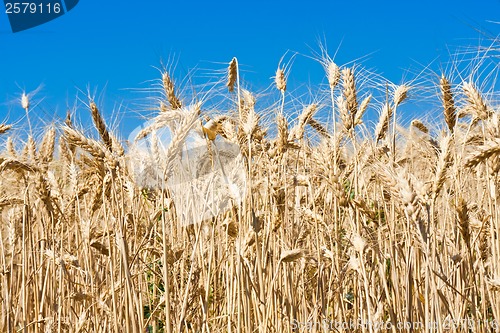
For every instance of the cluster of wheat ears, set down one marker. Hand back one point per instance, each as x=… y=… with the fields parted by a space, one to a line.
x=399 y=225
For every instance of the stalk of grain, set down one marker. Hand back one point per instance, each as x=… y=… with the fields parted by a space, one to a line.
x=280 y=80
x=400 y=95
x=249 y=120
x=463 y=220
x=169 y=88
x=333 y=77
x=297 y=131
x=420 y=126
x=332 y=74
x=489 y=149
x=282 y=139
x=25 y=104
x=162 y=120
x=64 y=151
x=291 y=255
x=91 y=146
x=100 y=126
x=10 y=147
x=349 y=91
x=178 y=138
x=346 y=117
x=117 y=146
x=16 y=165
x=211 y=129
x=47 y=146
x=31 y=149
x=362 y=109
x=443 y=164
x=449 y=110
x=68 y=120
x=318 y=127
x=383 y=123
x=4 y=128
x=232 y=74
x=475 y=101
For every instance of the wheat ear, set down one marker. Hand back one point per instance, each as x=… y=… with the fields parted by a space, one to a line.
x=4 y=128
x=101 y=126
x=475 y=101
x=383 y=123
x=47 y=146
x=489 y=149
x=91 y=146
x=169 y=87
x=280 y=80
x=420 y=126
x=232 y=74
x=442 y=165
x=450 y=115
x=297 y=131
x=10 y=147
x=349 y=86
x=178 y=139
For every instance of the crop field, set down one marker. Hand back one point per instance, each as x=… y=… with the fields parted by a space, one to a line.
x=319 y=219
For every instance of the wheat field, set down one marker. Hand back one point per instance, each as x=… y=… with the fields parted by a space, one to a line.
x=342 y=226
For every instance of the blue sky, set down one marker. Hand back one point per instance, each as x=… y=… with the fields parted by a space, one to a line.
x=113 y=46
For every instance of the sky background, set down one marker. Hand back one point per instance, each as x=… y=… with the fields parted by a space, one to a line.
x=113 y=47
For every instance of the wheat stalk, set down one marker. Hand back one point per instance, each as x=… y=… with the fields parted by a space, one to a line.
x=4 y=128
x=420 y=126
x=91 y=146
x=332 y=74
x=400 y=94
x=449 y=110
x=232 y=74
x=318 y=127
x=297 y=131
x=463 y=220
x=349 y=86
x=169 y=88
x=443 y=164
x=362 y=109
x=178 y=138
x=489 y=149
x=475 y=100
x=100 y=125
x=291 y=255
x=10 y=147
x=280 y=80
x=162 y=120
x=383 y=123
x=47 y=146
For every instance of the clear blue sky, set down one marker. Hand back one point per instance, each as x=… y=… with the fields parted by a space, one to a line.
x=113 y=45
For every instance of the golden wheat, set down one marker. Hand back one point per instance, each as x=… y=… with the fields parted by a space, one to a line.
x=332 y=226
